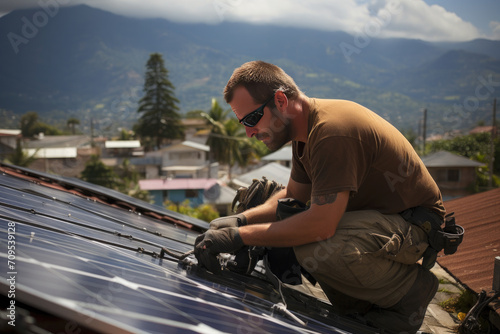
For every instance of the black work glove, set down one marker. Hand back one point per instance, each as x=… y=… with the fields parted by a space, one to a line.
x=213 y=242
x=229 y=221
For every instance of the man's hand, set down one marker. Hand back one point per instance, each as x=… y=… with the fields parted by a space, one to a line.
x=229 y=221
x=209 y=244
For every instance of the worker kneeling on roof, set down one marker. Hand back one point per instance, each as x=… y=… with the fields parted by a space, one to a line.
x=374 y=208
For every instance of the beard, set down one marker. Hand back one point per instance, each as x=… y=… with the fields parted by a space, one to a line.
x=278 y=134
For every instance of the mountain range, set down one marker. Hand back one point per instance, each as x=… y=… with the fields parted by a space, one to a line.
x=87 y=63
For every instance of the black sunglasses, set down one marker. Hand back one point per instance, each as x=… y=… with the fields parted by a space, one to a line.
x=254 y=117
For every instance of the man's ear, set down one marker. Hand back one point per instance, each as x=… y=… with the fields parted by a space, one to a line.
x=281 y=101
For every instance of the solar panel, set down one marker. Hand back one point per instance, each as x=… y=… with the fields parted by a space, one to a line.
x=90 y=265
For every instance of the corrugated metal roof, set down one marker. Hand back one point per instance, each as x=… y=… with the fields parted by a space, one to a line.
x=220 y=194
x=59 y=141
x=187 y=144
x=447 y=159
x=272 y=171
x=283 y=154
x=172 y=184
x=122 y=144
x=473 y=263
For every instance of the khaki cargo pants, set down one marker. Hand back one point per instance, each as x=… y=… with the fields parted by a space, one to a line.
x=371 y=259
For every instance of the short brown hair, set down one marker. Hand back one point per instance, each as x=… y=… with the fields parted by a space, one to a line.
x=261 y=79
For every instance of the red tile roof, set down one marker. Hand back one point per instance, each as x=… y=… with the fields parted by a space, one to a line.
x=473 y=263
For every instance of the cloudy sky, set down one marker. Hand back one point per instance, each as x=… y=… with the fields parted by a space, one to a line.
x=430 y=20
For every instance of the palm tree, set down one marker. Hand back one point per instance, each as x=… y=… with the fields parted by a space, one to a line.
x=217 y=113
x=72 y=123
x=227 y=139
x=19 y=157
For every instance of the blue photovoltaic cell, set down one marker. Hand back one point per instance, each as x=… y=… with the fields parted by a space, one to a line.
x=69 y=261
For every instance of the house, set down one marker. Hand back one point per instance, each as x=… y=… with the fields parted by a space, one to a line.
x=123 y=148
x=454 y=174
x=8 y=141
x=179 y=172
x=148 y=166
x=482 y=129
x=179 y=190
x=61 y=155
x=196 y=129
x=187 y=160
x=114 y=152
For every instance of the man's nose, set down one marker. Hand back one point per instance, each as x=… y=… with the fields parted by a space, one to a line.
x=250 y=131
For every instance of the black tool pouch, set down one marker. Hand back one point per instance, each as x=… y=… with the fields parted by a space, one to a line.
x=282 y=261
x=450 y=237
x=447 y=238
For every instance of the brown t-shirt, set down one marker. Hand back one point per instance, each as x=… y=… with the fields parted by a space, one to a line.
x=351 y=148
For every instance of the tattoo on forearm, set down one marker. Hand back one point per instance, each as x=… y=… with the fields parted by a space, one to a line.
x=324 y=199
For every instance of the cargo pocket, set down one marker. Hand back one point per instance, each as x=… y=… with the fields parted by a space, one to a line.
x=406 y=249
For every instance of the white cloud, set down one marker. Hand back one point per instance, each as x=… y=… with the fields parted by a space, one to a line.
x=418 y=20
x=377 y=18
x=495 y=29
x=317 y=14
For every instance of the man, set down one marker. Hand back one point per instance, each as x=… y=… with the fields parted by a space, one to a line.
x=359 y=174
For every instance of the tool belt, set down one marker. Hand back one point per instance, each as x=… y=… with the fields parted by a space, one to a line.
x=446 y=238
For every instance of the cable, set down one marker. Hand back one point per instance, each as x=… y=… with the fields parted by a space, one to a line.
x=281 y=307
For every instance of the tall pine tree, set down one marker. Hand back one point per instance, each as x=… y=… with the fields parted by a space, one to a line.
x=160 y=120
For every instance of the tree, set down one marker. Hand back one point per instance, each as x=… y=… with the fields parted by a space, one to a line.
x=217 y=113
x=30 y=126
x=128 y=181
x=160 y=120
x=126 y=135
x=411 y=136
x=72 y=123
x=227 y=139
x=97 y=172
x=19 y=157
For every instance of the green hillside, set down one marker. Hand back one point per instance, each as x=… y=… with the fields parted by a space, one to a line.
x=89 y=64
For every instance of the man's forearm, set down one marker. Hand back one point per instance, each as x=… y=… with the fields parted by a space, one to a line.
x=265 y=212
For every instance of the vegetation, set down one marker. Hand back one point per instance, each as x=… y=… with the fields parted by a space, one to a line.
x=19 y=157
x=126 y=135
x=160 y=119
x=31 y=126
x=228 y=141
x=123 y=178
x=97 y=172
x=204 y=212
x=72 y=123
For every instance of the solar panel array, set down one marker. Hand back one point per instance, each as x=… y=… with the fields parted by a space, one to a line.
x=96 y=267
